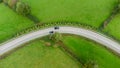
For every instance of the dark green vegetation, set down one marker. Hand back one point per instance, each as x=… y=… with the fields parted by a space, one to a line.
x=37 y=55
x=86 y=51
x=91 y=12
x=10 y=23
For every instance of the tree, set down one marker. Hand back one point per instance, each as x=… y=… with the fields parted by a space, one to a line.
x=12 y=3
x=23 y=8
x=56 y=37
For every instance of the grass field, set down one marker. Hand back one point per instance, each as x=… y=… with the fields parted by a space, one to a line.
x=113 y=27
x=91 y=12
x=86 y=51
x=10 y=23
x=37 y=55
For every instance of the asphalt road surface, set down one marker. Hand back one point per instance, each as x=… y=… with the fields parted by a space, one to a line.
x=97 y=37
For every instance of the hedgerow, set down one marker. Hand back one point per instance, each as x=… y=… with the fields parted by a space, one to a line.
x=52 y=24
x=62 y=23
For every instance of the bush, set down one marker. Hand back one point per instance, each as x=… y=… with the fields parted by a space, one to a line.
x=12 y=3
x=22 y=8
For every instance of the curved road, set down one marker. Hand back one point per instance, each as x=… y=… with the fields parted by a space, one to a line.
x=111 y=44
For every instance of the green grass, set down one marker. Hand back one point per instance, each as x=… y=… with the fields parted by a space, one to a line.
x=37 y=55
x=113 y=27
x=91 y=12
x=11 y=22
x=86 y=51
